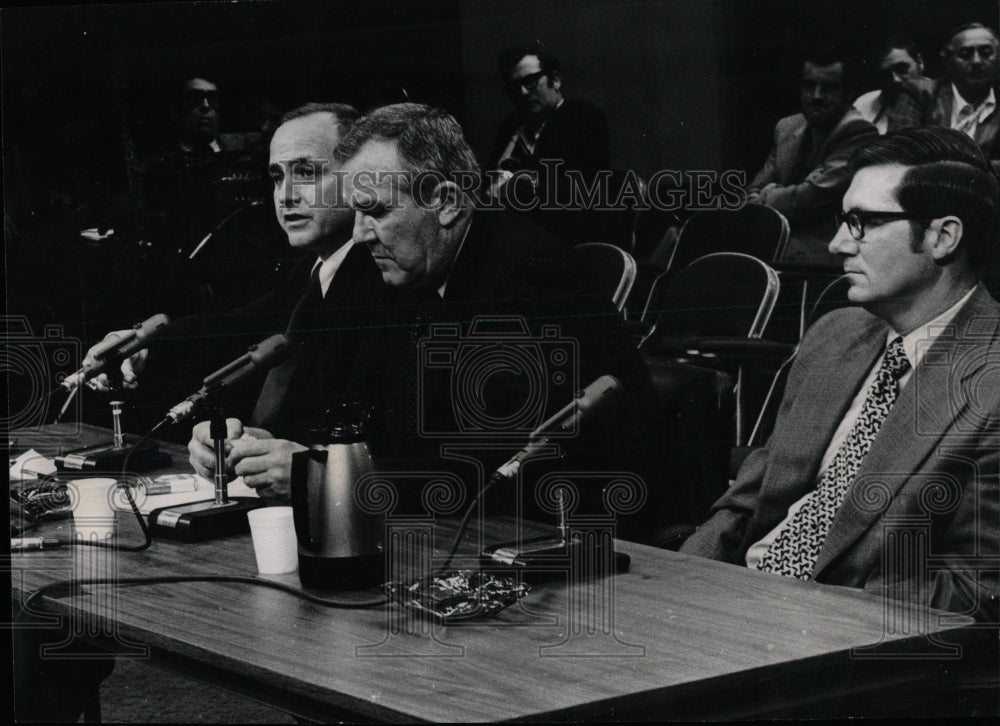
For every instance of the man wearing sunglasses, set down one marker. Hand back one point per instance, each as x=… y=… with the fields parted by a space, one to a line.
x=965 y=98
x=548 y=136
x=882 y=469
x=189 y=190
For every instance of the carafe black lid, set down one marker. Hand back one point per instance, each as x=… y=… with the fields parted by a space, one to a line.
x=346 y=423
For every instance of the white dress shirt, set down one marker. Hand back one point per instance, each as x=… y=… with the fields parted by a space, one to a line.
x=966 y=117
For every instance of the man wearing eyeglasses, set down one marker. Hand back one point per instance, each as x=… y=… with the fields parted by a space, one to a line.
x=547 y=137
x=966 y=99
x=882 y=470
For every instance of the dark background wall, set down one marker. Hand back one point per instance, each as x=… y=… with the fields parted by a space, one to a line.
x=686 y=84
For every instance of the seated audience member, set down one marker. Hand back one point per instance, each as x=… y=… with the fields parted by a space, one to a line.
x=965 y=97
x=891 y=415
x=547 y=137
x=327 y=303
x=806 y=174
x=204 y=182
x=900 y=69
x=432 y=373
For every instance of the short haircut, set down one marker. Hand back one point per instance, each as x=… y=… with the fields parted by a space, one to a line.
x=897 y=42
x=512 y=56
x=950 y=35
x=827 y=55
x=428 y=140
x=346 y=115
x=947 y=175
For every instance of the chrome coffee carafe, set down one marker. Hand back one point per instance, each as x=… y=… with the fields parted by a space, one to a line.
x=340 y=545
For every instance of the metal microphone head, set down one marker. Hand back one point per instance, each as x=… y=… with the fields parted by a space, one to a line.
x=599 y=395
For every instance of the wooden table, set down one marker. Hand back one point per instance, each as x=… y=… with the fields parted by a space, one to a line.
x=675 y=638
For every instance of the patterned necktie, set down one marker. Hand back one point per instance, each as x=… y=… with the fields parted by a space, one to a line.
x=794 y=552
x=272 y=396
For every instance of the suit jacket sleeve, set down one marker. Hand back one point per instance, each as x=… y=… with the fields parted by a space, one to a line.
x=768 y=173
x=722 y=535
x=821 y=190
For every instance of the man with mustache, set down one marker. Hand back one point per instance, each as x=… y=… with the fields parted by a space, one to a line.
x=806 y=173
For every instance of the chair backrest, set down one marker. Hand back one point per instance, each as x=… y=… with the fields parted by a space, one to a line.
x=754 y=229
x=610 y=267
x=725 y=294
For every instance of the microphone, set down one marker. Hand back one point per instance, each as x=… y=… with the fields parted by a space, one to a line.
x=261 y=357
x=220 y=225
x=593 y=400
x=109 y=352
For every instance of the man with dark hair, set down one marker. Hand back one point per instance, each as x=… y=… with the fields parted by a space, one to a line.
x=965 y=98
x=806 y=172
x=891 y=415
x=550 y=145
x=521 y=331
x=901 y=73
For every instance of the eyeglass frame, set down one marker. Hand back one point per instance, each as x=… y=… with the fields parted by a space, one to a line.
x=969 y=52
x=528 y=82
x=865 y=215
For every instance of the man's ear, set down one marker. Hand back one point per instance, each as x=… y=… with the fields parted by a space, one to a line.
x=449 y=203
x=944 y=235
x=555 y=80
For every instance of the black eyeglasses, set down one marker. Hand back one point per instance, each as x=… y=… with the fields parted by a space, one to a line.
x=529 y=83
x=194 y=99
x=856 y=219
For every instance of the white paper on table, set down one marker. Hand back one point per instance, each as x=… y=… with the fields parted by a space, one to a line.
x=29 y=465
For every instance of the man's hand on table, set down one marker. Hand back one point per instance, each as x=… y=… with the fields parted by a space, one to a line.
x=264 y=462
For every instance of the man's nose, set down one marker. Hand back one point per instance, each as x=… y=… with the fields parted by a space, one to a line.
x=843 y=243
x=364 y=232
x=288 y=193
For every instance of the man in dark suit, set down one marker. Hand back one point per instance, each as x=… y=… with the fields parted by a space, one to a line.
x=965 y=98
x=890 y=420
x=490 y=329
x=549 y=147
x=806 y=172
x=327 y=305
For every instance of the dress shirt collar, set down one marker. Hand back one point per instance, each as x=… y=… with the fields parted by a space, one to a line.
x=328 y=267
x=214 y=146
x=984 y=109
x=444 y=285
x=918 y=340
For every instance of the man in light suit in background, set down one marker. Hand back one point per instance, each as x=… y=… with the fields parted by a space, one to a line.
x=891 y=412
x=806 y=173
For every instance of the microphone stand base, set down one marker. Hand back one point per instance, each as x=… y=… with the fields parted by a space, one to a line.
x=106 y=457
x=545 y=558
x=202 y=521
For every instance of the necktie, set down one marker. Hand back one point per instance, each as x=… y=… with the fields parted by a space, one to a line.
x=519 y=154
x=794 y=552
x=272 y=396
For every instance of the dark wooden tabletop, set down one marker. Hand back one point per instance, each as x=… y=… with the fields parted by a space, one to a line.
x=676 y=637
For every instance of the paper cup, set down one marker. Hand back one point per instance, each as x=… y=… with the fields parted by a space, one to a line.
x=93 y=508
x=274 y=542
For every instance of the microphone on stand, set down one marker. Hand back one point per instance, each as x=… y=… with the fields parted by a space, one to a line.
x=261 y=357
x=591 y=401
x=221 y=516
x=109 y=352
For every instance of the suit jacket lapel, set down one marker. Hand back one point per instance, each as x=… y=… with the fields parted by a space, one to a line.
x=820 y=404
x=928 y=405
